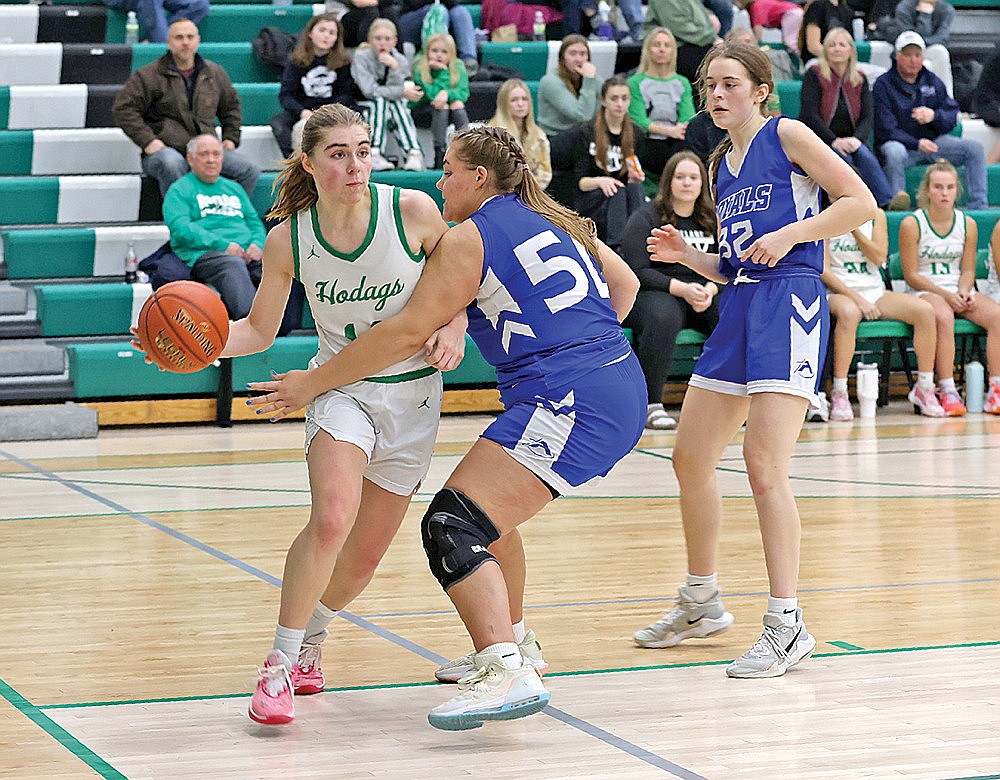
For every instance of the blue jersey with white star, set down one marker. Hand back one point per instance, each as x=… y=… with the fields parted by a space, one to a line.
x=767 y=193
x=543 y=314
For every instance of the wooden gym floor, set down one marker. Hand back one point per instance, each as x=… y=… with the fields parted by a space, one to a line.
x=139 y=587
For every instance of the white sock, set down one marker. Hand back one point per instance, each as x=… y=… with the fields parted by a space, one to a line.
x=947 y=385
x=702 y=588
x=289 y=641
x=783 y=608
x=925 y=380
x=994 y=380
x=840 y=384
x=519 y=631
x=322 y=616
x=509 y=652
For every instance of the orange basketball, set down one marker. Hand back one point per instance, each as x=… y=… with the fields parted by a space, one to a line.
x=183 y=327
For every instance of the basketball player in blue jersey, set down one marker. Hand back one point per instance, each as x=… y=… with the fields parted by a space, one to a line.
x=358 y=249
x=762 y=364
x=545 y=299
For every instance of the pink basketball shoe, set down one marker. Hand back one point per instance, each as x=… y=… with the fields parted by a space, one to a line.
x=272 y=703
x=307 y=675
x=952 y=404
x=992 y=405
x=925 y=402
x=840 y=407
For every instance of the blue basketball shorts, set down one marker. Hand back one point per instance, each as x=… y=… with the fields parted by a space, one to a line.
x=771 y=338
x=572 y=436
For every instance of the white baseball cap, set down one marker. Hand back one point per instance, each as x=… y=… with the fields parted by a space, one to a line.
x=910 y=38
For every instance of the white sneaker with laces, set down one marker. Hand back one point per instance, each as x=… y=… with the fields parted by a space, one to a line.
x=819 y=409
x=414 y=160
x=687 y=620
x=531 y=651
x=379 y=163
x=779 y=648
x=491 y=692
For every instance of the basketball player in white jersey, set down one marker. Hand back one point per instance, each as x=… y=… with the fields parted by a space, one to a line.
x=937 y=248
x=853 y=276
x=359 y=249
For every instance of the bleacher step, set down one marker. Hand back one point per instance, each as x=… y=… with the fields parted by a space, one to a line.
x=35 y=423
x=13 y=300
x=31 y=359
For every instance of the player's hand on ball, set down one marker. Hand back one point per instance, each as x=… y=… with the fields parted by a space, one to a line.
x=285 y=394
x=137 y=346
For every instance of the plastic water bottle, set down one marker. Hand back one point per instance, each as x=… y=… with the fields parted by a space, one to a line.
x=131 y=265
x=858 y=29
x=131 y=29
x=604 y=29
x=975 y=386
x=538 y=28
x=867 y=388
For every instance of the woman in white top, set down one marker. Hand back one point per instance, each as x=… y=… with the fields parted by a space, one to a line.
x=937 y=247
x=853 y=276
x=993 y=279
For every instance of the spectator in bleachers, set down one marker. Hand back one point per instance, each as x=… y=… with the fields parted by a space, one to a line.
x=515 y=114
x=165 y=104
x=155 y=16
x=441 y=77
x=662 y=102
x=459 y=25
x=986 y=100
x=356 y=17
x=914 y=116
x=570 y=95
x=937 y=248
x=607 y=170
x=852 y=274
x=380 y=73
x=214 y=227
x=820 y=17
x=318 y=71
x=932 y=20
x=776 y=15
x=992 y=286
x=694 y=29
x=671 y=296
x=781 y=63
x=837 y=106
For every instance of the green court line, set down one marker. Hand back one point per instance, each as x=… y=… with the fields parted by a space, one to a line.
x=845 y=646
x=578 y=673
x=978 y=777
x=59 y=734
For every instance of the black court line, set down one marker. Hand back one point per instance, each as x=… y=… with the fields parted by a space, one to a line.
x=623 y=745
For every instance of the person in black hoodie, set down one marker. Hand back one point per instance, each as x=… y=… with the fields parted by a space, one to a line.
x=986 y=100
x=318 y=72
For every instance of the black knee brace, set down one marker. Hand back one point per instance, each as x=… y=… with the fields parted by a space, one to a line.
x=456 y=535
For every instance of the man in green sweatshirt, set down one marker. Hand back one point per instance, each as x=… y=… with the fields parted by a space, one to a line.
x=214 y=227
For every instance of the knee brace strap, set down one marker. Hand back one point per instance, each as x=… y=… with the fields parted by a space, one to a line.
x=456 y=534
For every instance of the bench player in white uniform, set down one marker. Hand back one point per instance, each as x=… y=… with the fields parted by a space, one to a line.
x=359 y=250
x=937 y=248
x=548 y=318
x=857 y=291
x=763 y=362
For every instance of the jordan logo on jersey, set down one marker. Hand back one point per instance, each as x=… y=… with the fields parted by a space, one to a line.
x=312 y=253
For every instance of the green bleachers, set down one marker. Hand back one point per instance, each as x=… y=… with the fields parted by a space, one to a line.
x=236 y=57
x=69 y=309
x=230 y=22
x=66 y=252
x=529 y=57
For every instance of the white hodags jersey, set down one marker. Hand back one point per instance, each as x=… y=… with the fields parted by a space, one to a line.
x=850 y=264
x=349 y=292
x=940 y=256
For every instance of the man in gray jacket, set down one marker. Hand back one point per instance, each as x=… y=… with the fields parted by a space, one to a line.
x=165 y=104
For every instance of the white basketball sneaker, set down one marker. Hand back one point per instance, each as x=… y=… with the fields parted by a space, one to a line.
x=491 y=692
x=414 y=160
x=453 y=671
x=687 y=620
x=779 y=648
x=379 y=163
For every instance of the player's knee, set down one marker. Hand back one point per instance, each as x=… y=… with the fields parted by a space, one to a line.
x=456 y=534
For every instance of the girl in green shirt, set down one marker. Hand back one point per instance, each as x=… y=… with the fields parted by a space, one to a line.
x=439 y=72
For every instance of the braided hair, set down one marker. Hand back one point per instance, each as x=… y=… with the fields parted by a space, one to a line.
x=499 y=152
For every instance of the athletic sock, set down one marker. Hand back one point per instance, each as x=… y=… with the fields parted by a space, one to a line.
x=840 y=384
x=783 y=608
x=925 y=380
x=289 y=641
x=316 y=627
x=509 y=652
x=947 y=385
x=519 y=631
x=702 y=588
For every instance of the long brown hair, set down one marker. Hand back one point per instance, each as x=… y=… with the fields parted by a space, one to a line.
x=295 y=185
x=602 y=138
x=531 y=132
x=498 y=151
x=573 y=81
x=704 y=207
x=758 y=68
x=304 y=52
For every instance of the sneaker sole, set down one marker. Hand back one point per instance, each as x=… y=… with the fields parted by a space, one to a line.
x=309 y=690
x=715 y=626
x=273 y=720
x=475 y=720
x=774 y=671
x=451 y=677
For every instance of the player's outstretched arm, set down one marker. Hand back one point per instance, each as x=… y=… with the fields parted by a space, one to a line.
x=666 y=245
x=449 y=283
x=257 y=330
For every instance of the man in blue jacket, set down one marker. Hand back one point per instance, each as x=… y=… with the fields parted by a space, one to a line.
x=913 y=116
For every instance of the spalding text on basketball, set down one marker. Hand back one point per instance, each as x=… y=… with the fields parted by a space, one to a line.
x=170 y=351
x=196 y=329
